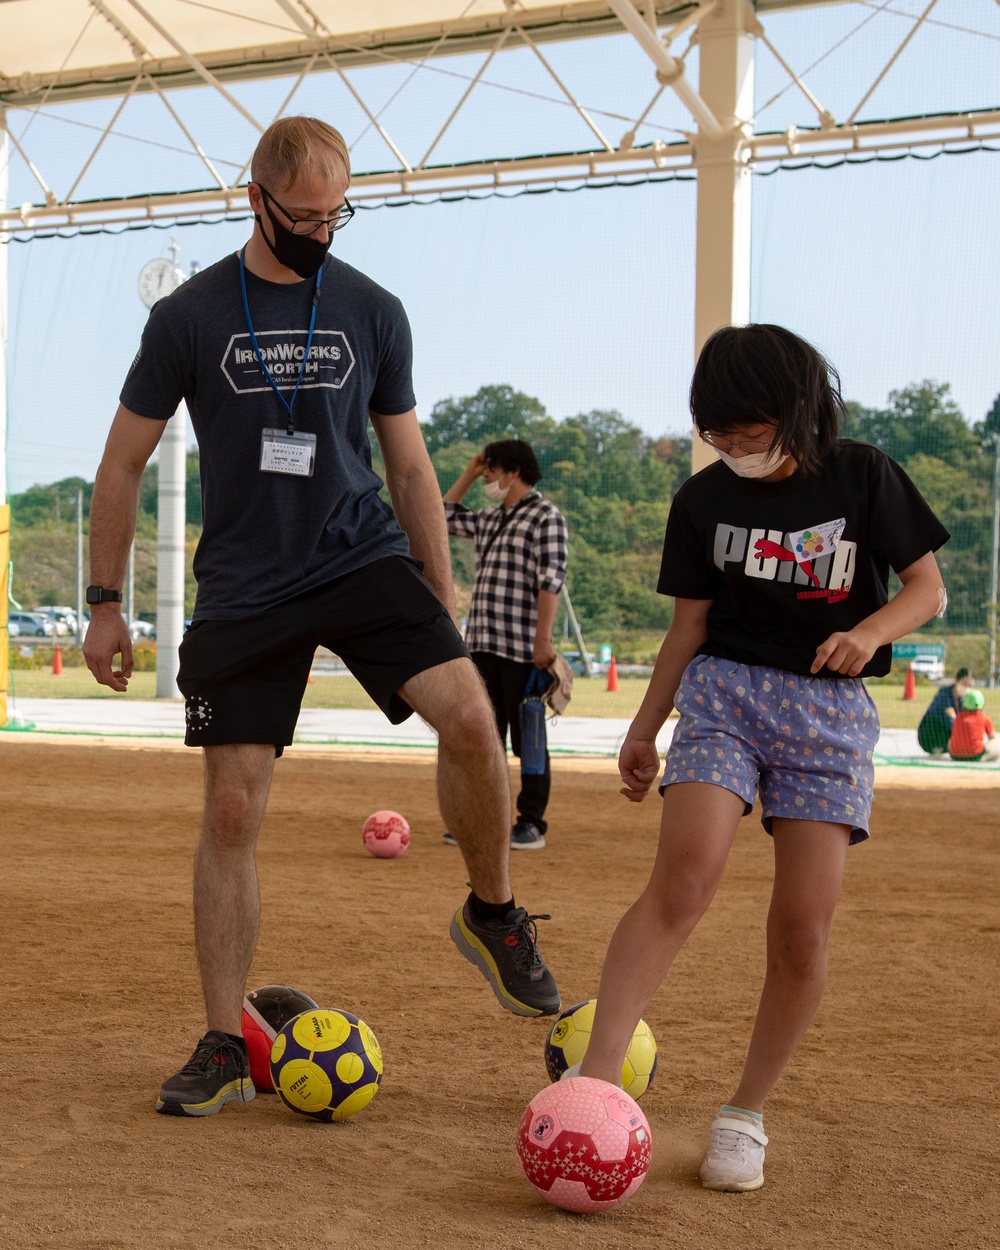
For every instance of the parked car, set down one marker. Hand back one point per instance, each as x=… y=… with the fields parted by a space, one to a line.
x=142 y=629
x=13 y=629
x=31 y=625
x=932 y=666
x=64 y=619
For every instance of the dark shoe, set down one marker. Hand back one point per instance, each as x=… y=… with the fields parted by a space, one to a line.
x=218 y=1071
x=449 y=839
x=526 y=836
x=506 y=953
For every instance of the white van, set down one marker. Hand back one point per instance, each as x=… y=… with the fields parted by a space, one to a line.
x=932 y=666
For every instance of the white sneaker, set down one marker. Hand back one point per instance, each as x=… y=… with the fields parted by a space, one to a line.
x=734 y=1160
x=574 y=1070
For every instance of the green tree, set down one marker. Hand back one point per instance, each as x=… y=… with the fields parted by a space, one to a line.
x=920 y=418
x=54 y=504
x=493 y=413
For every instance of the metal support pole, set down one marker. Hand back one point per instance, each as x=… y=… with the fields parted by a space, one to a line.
x=130 y=614
x=584 y=662
x=4 y=506
x=79 y=566
x=995 y=555
x=170 y=554
x=722 y=264
x=4 y=253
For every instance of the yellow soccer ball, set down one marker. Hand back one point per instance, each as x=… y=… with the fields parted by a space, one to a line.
x=326 y=1064
x=569 y=1038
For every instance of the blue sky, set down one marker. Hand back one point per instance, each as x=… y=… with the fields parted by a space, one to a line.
x=584 y=300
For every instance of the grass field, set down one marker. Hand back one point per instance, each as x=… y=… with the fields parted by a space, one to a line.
x=590 y=697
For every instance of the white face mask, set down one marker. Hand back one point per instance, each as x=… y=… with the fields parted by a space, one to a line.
x=496 y=493
x=756 y=464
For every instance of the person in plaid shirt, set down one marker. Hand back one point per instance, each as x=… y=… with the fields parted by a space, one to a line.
x=520 y=569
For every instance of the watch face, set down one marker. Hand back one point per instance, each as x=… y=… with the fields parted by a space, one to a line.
x=158 y=278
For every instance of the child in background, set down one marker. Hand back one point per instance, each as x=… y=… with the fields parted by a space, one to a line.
x=972 y=731
x=937 y=722
x=778 y=558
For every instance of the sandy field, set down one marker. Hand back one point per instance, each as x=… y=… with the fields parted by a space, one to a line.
x=882 y=1130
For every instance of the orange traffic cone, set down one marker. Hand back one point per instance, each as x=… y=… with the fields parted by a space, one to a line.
x=910 y=686
x=613 y=677
x=57 y=661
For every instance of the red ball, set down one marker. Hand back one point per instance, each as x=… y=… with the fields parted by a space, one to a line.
x=386 y=834
x=584 y=1145
x=265 y=1012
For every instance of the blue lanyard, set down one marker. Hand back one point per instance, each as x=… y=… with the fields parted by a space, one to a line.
x=285 y=403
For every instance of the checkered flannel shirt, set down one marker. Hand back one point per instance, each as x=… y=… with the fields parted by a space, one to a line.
x=527 y=554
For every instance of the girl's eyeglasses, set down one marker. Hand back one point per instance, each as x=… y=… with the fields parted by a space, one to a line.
x=750 y=445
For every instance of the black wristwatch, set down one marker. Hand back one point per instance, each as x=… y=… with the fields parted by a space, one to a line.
x=101 y=594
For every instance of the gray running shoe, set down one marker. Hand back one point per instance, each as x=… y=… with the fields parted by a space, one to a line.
x=217 y=1072
x=506 y=953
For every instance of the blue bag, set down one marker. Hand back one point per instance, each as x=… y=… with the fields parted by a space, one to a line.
x=532 y=718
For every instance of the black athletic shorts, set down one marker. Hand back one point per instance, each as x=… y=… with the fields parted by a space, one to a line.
x=243 y=680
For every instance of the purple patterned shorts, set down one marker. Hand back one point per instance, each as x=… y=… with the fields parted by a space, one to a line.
x=806 y=742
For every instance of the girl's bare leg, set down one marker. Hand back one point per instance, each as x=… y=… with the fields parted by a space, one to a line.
x=696 y=833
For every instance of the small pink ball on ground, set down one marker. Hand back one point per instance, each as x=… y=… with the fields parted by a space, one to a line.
x=386 y=834
x=584 y=1145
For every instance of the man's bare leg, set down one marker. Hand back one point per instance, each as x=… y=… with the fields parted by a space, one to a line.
x=226 y=896
x=472 y=778
x=226 y=924
x=474 y=793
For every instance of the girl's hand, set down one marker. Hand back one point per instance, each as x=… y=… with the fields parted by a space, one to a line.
x=845 y=653
x=638 y=765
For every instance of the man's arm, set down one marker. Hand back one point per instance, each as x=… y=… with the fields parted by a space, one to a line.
x=416 y=498
x=113 y=510
x=475 y=468
x=551 y=550
x=543 y=652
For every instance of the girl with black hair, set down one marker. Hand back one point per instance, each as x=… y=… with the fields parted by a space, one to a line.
x=778 y=558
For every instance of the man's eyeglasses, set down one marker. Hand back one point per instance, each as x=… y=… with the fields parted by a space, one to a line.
x=309 y=225
x=751 y=445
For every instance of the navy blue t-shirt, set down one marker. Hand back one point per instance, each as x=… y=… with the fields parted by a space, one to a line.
x=268 y=536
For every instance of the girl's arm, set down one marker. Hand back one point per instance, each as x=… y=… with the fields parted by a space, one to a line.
x=639 y=761
x=921 y=597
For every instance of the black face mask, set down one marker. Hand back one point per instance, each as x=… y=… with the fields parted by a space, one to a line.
x=301 y=253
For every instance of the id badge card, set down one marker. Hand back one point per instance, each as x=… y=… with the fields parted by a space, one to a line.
x=281 y=452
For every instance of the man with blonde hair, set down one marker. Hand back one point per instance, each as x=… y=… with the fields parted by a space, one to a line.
x=283 y=354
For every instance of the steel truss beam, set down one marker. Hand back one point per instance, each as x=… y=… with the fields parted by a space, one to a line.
x=792 y=147
x=555 y=23
x=828 y=142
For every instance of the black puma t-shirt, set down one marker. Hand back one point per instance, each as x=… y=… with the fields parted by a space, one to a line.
x=788 y=563
x=268 y=536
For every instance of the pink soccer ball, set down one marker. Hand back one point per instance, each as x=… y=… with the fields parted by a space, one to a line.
x=584 y=1145
x=386 y=834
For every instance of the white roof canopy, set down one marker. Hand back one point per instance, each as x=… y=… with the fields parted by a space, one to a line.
x=72 y=49
x=53 y=52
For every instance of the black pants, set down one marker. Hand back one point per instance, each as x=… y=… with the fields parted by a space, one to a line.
x=506 y=681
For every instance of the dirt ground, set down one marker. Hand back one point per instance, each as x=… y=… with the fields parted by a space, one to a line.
x=882 y=1130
